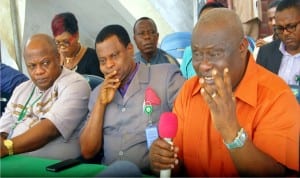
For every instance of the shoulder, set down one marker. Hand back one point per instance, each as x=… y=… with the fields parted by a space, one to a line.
x=274 y=45
x=90 y=53
x=68 y=78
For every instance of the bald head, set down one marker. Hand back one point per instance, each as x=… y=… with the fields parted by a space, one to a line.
x=225 y=19
x=218 y=42
x=40 y=42
x=42 y=60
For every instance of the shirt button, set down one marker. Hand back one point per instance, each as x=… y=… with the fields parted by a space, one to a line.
x=121 y=153
x=123 y=109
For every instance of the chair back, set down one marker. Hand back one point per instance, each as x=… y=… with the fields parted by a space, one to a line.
x=93 y=80
x=175 y=43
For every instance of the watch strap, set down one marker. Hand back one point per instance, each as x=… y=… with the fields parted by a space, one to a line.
x=238 y=141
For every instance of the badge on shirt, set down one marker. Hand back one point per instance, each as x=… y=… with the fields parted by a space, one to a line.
x=151 y=134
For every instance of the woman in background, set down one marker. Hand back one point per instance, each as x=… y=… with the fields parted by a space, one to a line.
x=73 y=55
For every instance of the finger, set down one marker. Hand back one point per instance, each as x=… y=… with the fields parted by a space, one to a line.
x=219 y=85
x=208 y=98
x=227 y=81
x=110 y=75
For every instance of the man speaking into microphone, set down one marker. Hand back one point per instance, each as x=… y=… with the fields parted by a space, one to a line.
x=235 y=118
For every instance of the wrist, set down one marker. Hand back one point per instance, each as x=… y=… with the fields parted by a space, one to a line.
x=238 y=141
x=9 y=146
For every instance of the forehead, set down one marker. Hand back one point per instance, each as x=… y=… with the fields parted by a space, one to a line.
x=63 y=36
x=144 y=24
x=290 y=15
x=109 y=46
x=209 y=35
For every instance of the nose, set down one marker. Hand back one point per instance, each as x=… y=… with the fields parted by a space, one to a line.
x=39 y=70
x=109 y=63
x=273 y=21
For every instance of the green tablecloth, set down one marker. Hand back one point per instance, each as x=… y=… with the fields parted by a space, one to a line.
x=26 y=166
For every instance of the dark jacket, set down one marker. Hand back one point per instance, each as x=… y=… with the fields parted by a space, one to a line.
x=270 y=57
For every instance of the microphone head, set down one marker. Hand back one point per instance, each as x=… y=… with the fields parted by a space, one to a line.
x=168 y=124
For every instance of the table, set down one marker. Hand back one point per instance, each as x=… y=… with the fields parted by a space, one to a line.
x=27 y=166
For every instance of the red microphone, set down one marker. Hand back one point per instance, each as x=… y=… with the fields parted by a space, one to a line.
x=167 y=129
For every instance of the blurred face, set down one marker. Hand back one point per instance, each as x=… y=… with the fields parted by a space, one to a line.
x=67 y=44
x=43 y=65
x=288 y=29
x=213 y=47
x=271 y=17
x=146 y=37
x=114 y=56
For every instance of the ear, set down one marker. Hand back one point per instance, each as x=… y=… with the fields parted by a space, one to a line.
x=244 y=46
x=130 y=48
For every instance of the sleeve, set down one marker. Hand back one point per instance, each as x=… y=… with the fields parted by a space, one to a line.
x=278 y=130
x=174 y=83
x=70 y=108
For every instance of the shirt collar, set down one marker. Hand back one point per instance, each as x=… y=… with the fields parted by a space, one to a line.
x=124 y=88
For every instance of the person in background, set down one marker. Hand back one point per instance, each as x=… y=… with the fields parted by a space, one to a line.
x=282 y=56
x=186 y=66
x=235 y=118
x=73 y=55
x=10 y=79
x=44 y=115
x=146 y=38
x=250 y=14
x=127 y=103
x=271 y=22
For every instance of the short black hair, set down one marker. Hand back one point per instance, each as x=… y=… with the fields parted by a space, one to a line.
x=144 y=18
x=273 y=3
x=210 y=5
x=286 y=4
x=111 y=30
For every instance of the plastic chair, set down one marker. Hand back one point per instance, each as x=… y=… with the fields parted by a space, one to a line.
x=175 y=43
x=93 y=80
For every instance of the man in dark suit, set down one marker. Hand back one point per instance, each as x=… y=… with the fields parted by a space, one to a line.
x=282 y=56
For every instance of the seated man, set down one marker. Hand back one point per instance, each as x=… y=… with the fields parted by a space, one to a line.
x=43 y=115
x=10 y=79
x=128 y=102
x=235 y=118
x=146 y=38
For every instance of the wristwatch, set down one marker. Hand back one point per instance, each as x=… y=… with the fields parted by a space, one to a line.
x=9 y=145
x=239 y=140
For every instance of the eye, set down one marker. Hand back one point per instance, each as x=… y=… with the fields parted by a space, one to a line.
x=30 y=66
x=102 y=61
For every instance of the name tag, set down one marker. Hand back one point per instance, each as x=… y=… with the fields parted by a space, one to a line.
x=151 y=135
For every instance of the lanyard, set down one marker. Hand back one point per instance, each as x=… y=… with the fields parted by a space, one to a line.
x=24 y=110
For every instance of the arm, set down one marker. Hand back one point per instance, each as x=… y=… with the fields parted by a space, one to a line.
x=91 y=136
x=33 y=139
x=248 y=159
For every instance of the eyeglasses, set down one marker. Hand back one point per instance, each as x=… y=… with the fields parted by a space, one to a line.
x=64 y=43
x=290 y=28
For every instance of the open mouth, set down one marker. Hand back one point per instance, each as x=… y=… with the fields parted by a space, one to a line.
x=209 y=79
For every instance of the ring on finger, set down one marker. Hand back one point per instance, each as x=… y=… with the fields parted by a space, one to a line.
x=214 y=95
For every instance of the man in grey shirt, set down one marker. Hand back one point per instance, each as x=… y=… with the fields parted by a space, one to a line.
x=126 y=107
